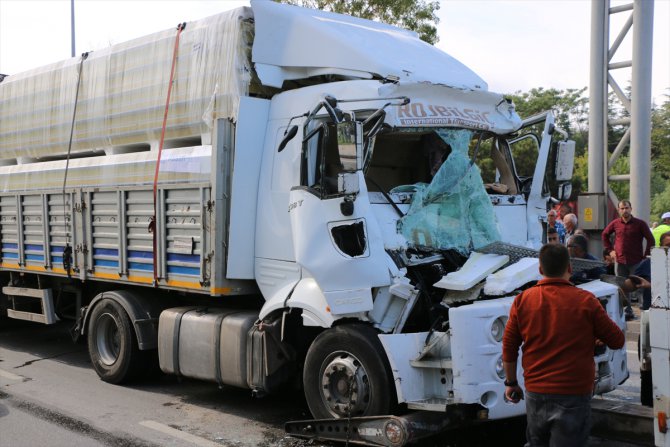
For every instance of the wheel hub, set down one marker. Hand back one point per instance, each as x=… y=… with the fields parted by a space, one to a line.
x=108 y=339
x=345 y=388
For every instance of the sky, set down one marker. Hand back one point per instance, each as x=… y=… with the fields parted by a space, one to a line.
x=513 y=45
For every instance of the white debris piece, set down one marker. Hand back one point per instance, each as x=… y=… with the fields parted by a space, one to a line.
x=513 y=277
x=402 y=288
x=475 y=269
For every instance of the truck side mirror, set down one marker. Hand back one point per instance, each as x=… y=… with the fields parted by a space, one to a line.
x=565 y=160
x=288 y=136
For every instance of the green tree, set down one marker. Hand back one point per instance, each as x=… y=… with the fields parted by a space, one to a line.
x=660 y=159
x=570 y=105
x=571 y=109
x=660 y=138
x=660 y=203
x=416 y=15
x=580 y=175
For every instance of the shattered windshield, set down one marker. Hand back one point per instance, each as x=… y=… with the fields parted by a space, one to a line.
x=450 y=207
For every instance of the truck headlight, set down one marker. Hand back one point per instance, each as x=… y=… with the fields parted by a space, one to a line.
x=498 y=328
x=500 y=369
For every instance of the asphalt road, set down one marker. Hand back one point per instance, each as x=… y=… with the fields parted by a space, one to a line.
x=50 y=395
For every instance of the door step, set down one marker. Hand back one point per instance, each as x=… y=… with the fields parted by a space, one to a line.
x=30 y=304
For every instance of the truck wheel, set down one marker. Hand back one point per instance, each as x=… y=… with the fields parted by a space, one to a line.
x=112 y=344
x=347 y=373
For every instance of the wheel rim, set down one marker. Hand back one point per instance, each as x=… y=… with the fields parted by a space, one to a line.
x=345 y=388
x=108 y=339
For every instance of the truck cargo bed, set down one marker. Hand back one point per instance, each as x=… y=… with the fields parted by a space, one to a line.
x=105 y=220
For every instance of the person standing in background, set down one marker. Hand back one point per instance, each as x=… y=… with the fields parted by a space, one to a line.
x=552 y=222
x=578 y=248
x=664 y=227
x=570 y=224
x=629 y=232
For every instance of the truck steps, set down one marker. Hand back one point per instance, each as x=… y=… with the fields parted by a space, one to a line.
x=30 y=304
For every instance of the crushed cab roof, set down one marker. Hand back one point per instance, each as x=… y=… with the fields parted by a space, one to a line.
x=295 y=43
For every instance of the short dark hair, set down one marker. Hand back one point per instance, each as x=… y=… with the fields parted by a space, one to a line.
x=554 y=260
x=551 y=230
x=625 y=202
x=581 y=241
x=567 y=208
x=663 y=236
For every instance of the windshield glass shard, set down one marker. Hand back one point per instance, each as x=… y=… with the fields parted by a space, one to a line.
x=453 y=211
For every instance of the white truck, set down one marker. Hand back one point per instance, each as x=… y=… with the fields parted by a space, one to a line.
x=277 y=195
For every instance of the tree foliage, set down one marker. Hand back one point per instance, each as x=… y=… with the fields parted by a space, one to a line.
x=416 y=15
x=660 y=156
x=571 y=106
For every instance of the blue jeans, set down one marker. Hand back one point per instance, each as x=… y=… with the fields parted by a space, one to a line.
x=557 y=420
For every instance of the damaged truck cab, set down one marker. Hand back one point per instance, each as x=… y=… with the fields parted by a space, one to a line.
x=338 y=206
x=387 y=212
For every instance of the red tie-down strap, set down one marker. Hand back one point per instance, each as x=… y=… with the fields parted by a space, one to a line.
x=152 y=222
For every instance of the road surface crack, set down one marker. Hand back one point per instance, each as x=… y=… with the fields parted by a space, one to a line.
x=30 y=362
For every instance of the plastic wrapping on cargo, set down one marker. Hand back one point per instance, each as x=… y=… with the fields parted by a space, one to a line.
x=180 y=165
x=453 y=211
x=123 y=91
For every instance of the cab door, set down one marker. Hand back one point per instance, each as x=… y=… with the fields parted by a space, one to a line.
x=336 y=237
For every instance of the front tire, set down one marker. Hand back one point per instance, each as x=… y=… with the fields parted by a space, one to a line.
x=347 y=373
x=112 y=344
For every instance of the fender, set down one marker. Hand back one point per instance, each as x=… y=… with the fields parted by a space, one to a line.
x=305 y=295
x=142 y=311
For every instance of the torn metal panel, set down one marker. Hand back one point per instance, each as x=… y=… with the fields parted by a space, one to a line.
x=453 y=211
x=513 y=277
x=452 y=297
x=476 y=268
x=442 y=106
x=516 y=253
x=415 y=383
x=392 y=305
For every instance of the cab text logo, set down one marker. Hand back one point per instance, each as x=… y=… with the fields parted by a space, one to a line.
x=420 y=114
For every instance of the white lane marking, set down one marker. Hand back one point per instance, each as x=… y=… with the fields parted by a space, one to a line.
x=10 y=376
x=197 y=440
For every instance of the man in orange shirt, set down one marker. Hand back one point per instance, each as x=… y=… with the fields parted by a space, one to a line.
x=558 y=325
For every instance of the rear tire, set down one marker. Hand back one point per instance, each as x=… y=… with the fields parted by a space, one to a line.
x=347 y=373
x=112 y=344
